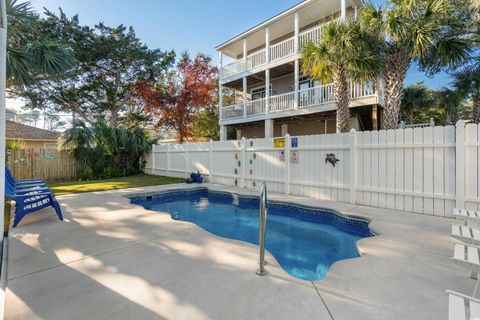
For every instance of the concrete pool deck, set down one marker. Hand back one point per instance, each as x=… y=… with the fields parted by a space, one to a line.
x=110 y=259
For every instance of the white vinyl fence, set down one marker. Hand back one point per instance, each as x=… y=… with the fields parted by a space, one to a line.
x=425 y=170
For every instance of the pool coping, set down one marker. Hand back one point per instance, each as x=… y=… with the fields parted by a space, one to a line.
x=312 y=207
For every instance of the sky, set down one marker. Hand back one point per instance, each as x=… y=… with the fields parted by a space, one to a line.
x=189 y=25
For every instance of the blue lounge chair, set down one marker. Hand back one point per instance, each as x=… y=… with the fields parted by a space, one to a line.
x=9 y=176
x=31 y=199
x=23 y=188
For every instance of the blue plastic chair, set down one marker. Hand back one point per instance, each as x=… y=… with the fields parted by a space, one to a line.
x=10 y=177
x=31 y=199
x=23 y=188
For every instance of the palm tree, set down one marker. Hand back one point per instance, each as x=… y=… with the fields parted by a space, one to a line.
x=345 y=51
x=416 y=100
x=427 y=32
x=30 y=53
x=467 y=81
x=103 y=151
x=451 y=102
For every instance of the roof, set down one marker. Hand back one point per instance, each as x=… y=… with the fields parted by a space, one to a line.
x=264 y=23
x=301 y=5
x=17 y=130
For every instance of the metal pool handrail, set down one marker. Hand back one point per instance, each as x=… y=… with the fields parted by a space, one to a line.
x=263 y=219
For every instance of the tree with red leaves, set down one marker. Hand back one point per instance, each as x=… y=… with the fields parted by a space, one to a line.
x=174 y=103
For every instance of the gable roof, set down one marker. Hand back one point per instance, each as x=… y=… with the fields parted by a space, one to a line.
x=15 y=130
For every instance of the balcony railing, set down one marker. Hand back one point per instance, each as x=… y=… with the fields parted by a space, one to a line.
x=256 y=59
x=282 y=102
x=310 y=97
x=282 y=49
x=256 y=107
x=278 y=51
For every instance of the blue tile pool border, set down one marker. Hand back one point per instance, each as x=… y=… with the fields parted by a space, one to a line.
x=356 y=224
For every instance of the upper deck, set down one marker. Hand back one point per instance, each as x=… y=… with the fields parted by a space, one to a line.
x=280 y=39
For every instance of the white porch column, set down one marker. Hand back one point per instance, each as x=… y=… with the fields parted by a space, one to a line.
x=297 y=62
x=245 y=52
x=269 y=128
x=244 y=95
x=267 y=71
x=3 y=85
x=245 y=68
x=297 y=32
x=267 y=91
x=267 y=44
x=296 y=81
x=238 y=133
x=223 y=132
x=220 y=87
x=375 y=117
x=343 y=9
x=355 y=12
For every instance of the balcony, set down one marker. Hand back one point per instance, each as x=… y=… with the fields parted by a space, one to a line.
x=360 y=94
x=283 y=51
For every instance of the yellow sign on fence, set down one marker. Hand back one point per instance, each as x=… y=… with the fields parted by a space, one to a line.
x=279 y=143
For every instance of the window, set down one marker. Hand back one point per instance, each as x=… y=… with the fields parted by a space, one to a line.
x=50 y=146
x=259 y=93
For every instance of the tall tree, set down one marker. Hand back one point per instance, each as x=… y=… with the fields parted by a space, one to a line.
x=417 y=99
x=345 y=51
x=430 y=33
x=452 y=104
x=31 y=54
x=467 y=78
x=189 y=89
x=102 y=82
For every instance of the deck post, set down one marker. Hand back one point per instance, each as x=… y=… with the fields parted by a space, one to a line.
x=460 y=165
x=245 y=68
x=220 y=87
x=267 y=91
x=297 y=61
x=267 y=70
x=353 y=166
x=244 y=95
x=223 y=132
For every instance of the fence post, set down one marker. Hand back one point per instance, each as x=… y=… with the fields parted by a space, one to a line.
x=287 y=163
x=187 y=160
x=460 y=165
x=153 y=159
x=242 y=162
x=210 y=159
x=353 y=165
x=168 y=159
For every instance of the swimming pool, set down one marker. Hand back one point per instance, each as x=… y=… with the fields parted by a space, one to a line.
x=305 y=241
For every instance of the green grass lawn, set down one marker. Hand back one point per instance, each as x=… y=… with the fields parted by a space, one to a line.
x=141 y=180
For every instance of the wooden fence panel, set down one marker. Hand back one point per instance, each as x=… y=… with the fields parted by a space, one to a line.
x=46 y=164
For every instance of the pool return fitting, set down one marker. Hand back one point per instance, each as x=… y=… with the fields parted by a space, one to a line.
x=263 y=220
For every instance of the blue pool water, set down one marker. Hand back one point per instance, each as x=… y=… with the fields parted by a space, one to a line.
x=305 y=241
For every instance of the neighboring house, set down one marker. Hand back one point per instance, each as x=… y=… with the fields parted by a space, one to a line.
x=33 y=137
x=268 y=56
